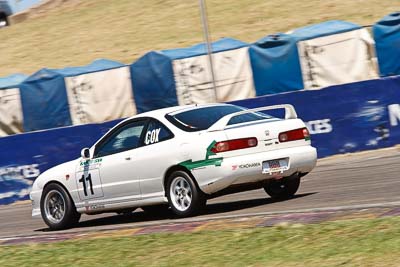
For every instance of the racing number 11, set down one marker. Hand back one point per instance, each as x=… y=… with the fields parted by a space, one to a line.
x=83 y=180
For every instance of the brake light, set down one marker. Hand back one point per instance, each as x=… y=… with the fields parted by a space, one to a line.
x=235 y=144
x=293 y=135
x=306 y=134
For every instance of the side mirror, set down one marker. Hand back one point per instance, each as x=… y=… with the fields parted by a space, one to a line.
x=85 y=153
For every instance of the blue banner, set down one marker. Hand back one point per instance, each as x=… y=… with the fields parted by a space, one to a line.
x=345 y=118
x=24 y=156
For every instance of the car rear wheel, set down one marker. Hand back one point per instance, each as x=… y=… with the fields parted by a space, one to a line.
x=57 y=208
x=184 y=197
x=283 y=188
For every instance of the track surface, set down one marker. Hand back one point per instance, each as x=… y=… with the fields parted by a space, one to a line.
x=363 y=179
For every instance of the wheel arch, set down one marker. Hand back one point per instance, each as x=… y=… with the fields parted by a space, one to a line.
x=60 y=184
x=174 y=168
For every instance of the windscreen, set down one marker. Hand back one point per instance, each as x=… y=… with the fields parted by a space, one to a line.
x=202 y=118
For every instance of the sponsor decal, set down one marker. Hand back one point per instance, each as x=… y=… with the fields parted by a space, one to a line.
x=190 y=164
x=91 y=161
x=372 y=114
x=246 y=166
x=394 y=114
x=152 y=136
x=94 y=207
x=24 y=171
x=319 y=126
x=249 y=165
x=16 y=182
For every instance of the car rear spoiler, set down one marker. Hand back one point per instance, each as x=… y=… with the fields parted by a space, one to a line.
x=290 y=113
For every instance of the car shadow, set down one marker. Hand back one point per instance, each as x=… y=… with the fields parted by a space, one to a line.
x=215 y=208
x=143 y=217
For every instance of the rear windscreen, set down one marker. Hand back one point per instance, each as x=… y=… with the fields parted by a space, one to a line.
x=202 y=118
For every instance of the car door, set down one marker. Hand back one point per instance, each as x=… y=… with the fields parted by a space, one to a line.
x=114 y=164
x=157 y=154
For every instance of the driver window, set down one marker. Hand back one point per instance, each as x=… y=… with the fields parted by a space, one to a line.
x=125 y=138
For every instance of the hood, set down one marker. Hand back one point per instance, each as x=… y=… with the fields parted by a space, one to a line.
x=57 y=173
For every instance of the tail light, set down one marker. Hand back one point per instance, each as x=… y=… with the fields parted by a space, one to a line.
x=293 y=135
x=234 y=144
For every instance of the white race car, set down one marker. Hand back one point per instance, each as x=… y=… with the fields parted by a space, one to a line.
x=178 y=157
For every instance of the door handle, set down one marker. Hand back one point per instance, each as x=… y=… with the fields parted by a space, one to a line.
x=128 y=158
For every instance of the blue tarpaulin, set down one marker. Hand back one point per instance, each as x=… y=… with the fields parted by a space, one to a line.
x=201 y=49
x=323 y=29
x=44 y=97
x=12 y=81
x=275 y=64
x=387 y=41
x=153 y=82
x=275 y=58
x=153 y=77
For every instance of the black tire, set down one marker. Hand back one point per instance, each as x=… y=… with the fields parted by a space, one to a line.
x=198 y=199
x=3 y=20
x=284 y=188
x=70 y=216
x=162 y=209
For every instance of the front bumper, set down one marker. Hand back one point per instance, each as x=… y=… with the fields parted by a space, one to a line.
x=212 y=179
x=35 y=198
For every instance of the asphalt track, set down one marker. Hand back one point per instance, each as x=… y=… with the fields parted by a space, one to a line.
x=367 y=179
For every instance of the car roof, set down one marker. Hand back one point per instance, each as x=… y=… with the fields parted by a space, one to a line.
x=176 y=109
x=160 y=113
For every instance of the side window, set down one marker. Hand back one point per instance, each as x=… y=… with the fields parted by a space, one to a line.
x=125 y=138
x=156 y=132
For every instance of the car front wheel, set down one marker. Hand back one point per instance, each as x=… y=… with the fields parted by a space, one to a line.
x=184 y=197
x=57 y=208
x=283 y=188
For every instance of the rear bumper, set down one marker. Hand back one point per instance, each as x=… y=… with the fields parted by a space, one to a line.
x=212 y=179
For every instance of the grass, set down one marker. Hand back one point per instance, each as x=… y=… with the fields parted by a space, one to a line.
x=342 y=243
x=83 y=30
